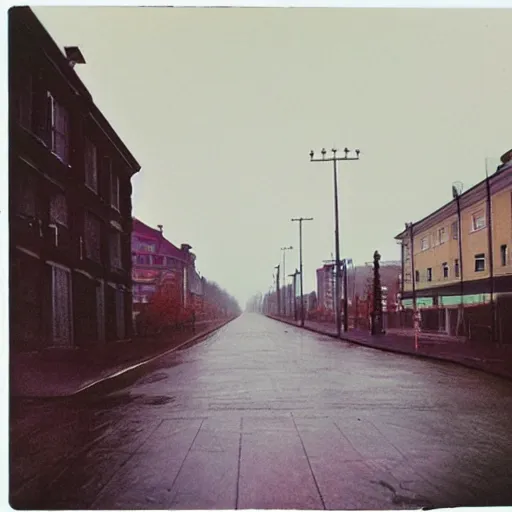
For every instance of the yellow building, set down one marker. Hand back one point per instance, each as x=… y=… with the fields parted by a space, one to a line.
x=461 y=252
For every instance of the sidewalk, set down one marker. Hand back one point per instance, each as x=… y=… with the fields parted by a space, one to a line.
x=488 y=358
x=67 y=372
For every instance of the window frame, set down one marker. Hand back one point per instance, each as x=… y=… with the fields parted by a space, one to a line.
x=88 y=254
x=26 y=187
x=24 y=97
x=478 y=258
x=504 y=255
x=480 y=214
x=441 y=233
x=116 y=263
x=53 y=218
x=425 y=246
x=91 y=158
x=57 y=107
x=114 y=178
x=430 y=274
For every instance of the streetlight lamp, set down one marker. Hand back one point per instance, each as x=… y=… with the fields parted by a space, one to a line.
x=334 y=159
x=300 y=220
x=284 y=249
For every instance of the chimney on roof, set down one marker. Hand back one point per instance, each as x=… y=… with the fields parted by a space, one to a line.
x=161 y=228
x=74 y=55
x=186 y=248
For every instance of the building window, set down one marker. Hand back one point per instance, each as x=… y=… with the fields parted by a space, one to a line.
x=457 y=268
x=417 y=276
x=504 y=255
x=429 y=274
x=442 y=235
x=59 y=129
x=479 y=262
x=146 y=246
x=445 y=270
x=158 y=260
x=26 y=195
x=59 y=210
x=115 y=249
x=114 y=191
x=92 y=237
x=478 y=221
x=23 y=100
x=91 y=166
x=134 y=259
x=455 y=230
x=144 y=259
x=425 y=243
x=106 y=172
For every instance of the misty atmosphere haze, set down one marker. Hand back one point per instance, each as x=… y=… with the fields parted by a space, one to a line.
x=222 y=106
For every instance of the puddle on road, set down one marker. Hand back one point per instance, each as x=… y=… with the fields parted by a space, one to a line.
x=157 y=400
x=110 y=402
x=155 y=377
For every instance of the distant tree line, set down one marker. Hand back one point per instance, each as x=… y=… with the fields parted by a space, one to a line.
x=255 y=304
x=166 y=309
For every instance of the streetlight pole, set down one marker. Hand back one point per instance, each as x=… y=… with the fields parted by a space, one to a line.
x=300 y=220
x=284 y=249
x=334 y=159
x=277 y=267
x=294 y=275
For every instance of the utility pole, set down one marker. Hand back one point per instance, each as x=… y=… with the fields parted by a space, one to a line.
x=334 y=160
x=300 y=220
x=277 y=290
x=284 y=249
x=294 y=275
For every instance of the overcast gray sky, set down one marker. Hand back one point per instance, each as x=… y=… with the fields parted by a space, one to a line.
x=222 y=106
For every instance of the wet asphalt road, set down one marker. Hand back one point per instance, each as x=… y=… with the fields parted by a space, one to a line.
x=264 y=415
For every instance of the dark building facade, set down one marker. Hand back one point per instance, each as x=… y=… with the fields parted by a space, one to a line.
x=70 y=205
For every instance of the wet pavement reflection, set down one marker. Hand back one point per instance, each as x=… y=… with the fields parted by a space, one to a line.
x=264 y=415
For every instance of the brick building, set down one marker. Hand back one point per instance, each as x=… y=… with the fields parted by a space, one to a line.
x=157 y=262
x=70 y=201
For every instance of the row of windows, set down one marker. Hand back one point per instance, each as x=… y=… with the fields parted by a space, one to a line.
x=153 y=259
x=59 y=217
x=39 y=112
x=440 y=236
x=479 y=265
x=92 y=242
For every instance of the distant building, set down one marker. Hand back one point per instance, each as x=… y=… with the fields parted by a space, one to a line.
x=359 y=278
x=70 y=201
x=326 y=283
x=158 y=263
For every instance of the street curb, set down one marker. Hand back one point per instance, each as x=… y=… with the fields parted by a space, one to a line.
x=126 y=371
x=467 y=364
x=140 y=364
